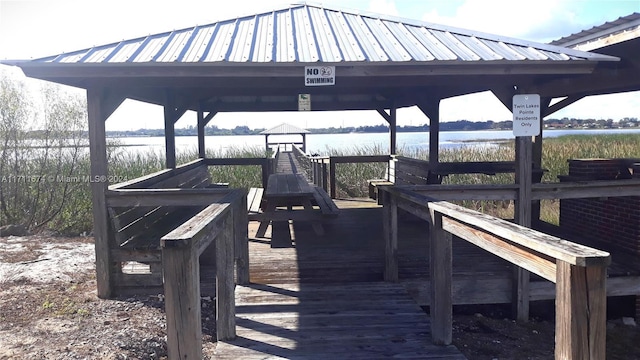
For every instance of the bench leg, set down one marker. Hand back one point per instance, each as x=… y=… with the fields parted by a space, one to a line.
x=262 y=229
x=316 y=224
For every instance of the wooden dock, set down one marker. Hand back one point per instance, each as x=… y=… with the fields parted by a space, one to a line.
x=323 y=296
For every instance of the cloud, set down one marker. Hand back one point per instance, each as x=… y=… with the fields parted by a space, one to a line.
x=542 y=21
x=387 y=7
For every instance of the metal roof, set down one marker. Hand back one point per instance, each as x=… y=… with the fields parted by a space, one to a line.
x=284 y=129
x=306 y=33
x=622 y=24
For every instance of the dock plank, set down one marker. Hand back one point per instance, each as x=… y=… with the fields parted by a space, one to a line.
x=317 y=321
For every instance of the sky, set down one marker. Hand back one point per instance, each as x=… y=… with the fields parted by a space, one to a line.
x=30 y=29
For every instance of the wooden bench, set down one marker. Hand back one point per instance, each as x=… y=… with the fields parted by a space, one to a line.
x=325 y=203
x=138 y=229
x=402 y=171
x=254 y=202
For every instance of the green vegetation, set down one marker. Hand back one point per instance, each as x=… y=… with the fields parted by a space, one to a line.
x=45 y=179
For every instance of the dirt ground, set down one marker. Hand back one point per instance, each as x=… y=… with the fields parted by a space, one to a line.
x=49 y=310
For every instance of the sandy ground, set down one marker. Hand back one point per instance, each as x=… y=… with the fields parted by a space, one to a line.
x=49 y=310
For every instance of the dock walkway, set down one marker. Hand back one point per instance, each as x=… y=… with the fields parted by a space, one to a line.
x=323 y=297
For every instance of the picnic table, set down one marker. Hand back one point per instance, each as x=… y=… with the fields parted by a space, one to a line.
x=296 y=194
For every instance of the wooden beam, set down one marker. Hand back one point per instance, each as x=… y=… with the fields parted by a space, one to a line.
x=111 y=100
x=98 y=156
x=441 y=274
x=581 y=316
x=392 y=130
x=522 y=217
x=431 y=108
x=169 y=131
x=390 y=225
x=560 y=104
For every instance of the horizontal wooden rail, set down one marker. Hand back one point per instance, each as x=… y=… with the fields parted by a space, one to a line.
x=563 y=190
x=150 y=179
x=162 y=197
x=578 y=271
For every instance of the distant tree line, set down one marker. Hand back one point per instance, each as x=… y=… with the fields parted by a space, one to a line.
x=459 y=125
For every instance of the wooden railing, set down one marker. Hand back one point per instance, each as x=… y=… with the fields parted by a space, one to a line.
x=209 y=237
x=579 y=272
x=323 y=168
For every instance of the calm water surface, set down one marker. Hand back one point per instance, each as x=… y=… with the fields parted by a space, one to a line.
x=320 y=143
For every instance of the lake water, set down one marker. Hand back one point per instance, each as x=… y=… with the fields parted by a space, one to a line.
x=320 y=143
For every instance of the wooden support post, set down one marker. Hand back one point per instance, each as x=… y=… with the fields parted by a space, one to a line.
x=431 y=109
x=241 y=231
x=324 y=175
x=201 y=125
x=392 y=130
x=304 y=143
x=266 y=171
x=332 y=177
x=225 y=285
x=390 y=228
x=520 y=293
x=182 y=301
x=581 y=304
x=169 y=132
x=98 y=157
x=440 y=270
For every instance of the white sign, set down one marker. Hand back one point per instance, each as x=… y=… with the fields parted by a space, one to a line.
x=526 y=115
x=304 y=102
x=319 y=75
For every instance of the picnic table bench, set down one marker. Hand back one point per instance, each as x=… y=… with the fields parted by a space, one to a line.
x=293 y=190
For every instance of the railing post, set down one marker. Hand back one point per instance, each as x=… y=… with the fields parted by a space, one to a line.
x=440 y=270
x=182 y=302
x=581 y=304
x=332 y=177
x=324 y=179
x=225 y=284
x=390 y=228
x=241 y=232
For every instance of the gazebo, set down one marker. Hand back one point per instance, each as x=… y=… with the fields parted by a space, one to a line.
x=285 y=129
x=261 y=63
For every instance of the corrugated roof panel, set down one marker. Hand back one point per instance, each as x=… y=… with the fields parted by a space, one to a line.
x=529 y=52
x=199 y=41
x=70 y=57
x=311 y=34
x=412 y=45
x=221 y=42
x=126 y=51
x=98 y=54
x=432 y=43
x=351 y=50
x=479 y=48
x=175 y=46
x=329 y=51
x=372 y=49
x=153 y=46
x=554 y=56
x=387 y=40
x=243 y=41
x=307 y=49
x=263 y=44
x=285 y=44
x=501 y=48
x=450 y=41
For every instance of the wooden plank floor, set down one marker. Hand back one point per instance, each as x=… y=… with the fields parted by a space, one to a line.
x=323 y=321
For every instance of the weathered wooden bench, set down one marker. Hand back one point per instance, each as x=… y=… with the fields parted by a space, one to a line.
x=137 y=224
x=254 y=202
x=401 y=171
x=325 y=203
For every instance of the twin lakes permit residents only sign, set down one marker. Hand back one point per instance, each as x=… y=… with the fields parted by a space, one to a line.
x=526 y=115
x=319 y=75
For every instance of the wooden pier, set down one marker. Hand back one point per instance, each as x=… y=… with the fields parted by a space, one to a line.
x=324 y=296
